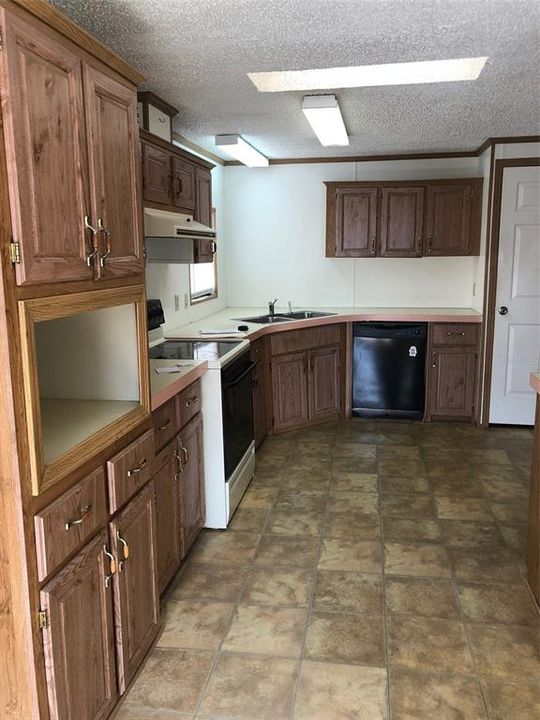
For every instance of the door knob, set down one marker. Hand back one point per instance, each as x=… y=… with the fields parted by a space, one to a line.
x=503 y=310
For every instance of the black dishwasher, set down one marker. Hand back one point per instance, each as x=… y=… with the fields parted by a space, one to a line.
x=389 y=361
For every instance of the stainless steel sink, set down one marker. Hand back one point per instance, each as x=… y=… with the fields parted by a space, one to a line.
x=286 y=317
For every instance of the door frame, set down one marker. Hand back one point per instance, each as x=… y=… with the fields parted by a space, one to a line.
x=491 y=270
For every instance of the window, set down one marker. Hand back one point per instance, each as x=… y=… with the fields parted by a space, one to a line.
x=203 y=277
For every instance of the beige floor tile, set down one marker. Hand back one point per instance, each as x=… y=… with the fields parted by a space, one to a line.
x=430 y=644
x=306 y=480
x=353 y=465
x=328 y=691
x=360 y=451
x=506 y=651
x=293 y=500
x=515 y=536
x=309 y=462
x=470 y=534
x=451 y=508
x=420 y=696
x=510 y=512
x=362 y=502
x=259 y=497
x=459 y=485
x=278 y=586
x=195 y=625
x=407 y=506
x=351 y=554
x=294 y=522
x=171 y=680
x=422 y=597
x=222 y=548
x=505 y=701
x=352 y=524
x=509 y=604
x=287 y=550
x=250 y=688
x=266 y=630
x=352 y=639
x=200 y=581
x=493 y=564
x=403 y=484
x=421 y=560
x=337 y=590
x=400 y=452
x=128 y=712
x=360 y=482
x=251 y=520
x=397 y=529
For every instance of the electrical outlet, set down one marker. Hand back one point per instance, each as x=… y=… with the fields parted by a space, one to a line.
x=474 y=289
x=176 y=303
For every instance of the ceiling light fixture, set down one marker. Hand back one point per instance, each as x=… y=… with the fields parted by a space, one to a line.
x=406 y=73
x=236 y=147
x=324 y=116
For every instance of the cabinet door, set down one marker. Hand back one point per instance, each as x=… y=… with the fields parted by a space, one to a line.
x=356 y=222
x=324 y=383
x=452 y=382
x=79 y=638
x=156 y=165
x=43 y=113
x=258 y=394
x=203 y=212
x=168 y=521
x=133 y=538
x=183 y=178
x=289 y=390
x=114 y=156
x=448 y=219
x=191 y=482
x=402 y=221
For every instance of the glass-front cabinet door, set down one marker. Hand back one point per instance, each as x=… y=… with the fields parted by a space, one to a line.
x=85 y=375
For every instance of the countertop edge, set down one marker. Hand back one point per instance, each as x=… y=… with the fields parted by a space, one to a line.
x=534 y=379
x=160 y=398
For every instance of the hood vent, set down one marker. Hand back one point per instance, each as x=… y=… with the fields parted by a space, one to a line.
x=174 y=237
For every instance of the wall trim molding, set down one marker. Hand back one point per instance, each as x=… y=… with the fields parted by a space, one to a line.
x=197 y=148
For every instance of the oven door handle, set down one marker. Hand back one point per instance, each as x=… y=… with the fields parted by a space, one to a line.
x=241 y=376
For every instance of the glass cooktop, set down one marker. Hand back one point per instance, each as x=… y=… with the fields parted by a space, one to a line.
x=192 y=349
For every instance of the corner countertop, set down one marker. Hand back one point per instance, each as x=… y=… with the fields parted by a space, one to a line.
x=164 y=386
x=228 y=319
x=534 y=379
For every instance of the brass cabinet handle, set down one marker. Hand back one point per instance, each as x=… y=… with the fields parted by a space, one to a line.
x=107 y=233
x=434 y=359
x=112 y=566
x=165 y=425
x=213 y=246
x=124 y=544
x=184 y=452
x=88 y=226
x=137 y=469
x=455 y=332
x=191 y=401
x=85 y=511
x=178 y=186
x=430 y=243
x=372 y=250
x=180 y=461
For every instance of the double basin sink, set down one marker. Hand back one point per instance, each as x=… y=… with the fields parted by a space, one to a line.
x=286 y=317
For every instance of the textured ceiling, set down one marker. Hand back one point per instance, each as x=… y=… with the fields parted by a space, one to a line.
x=196 y=55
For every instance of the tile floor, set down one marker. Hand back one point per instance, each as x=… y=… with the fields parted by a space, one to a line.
x=373 y=570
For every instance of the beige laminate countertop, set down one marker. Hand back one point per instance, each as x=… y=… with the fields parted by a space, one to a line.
x=164 y=386
x=535 y=381
x=228 y=319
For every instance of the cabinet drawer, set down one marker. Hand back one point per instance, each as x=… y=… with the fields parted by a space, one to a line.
x=295 y=340
x=130 y=469
x=165 y=423
x=69 y=521
x=454 y=334
x=189 y=403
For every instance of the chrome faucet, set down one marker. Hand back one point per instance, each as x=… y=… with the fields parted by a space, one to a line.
x=271 y=306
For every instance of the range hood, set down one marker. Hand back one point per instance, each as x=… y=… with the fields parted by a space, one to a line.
x=176 y=238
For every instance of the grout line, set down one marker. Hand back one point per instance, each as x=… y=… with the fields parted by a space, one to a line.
x=383 y=593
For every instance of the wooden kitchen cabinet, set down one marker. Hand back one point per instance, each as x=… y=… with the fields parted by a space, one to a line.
x=289 y=391
x=78 y=636
x=324 y=386
x=402 y=221
x=133 y=542
x=353 y=232
x=156 y=172
x=448 y=219
x=183 y=183
x=168 y=517
x=191 y=476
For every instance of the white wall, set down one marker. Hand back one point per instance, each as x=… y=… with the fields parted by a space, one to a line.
x=166 y=281
x=480 y=262
x=275 y=231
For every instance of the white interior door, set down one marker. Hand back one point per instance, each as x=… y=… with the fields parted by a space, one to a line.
x=516 y=347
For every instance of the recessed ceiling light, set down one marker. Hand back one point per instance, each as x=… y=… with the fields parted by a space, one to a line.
x=236 y=147
x=408 y=73
x=324 y=116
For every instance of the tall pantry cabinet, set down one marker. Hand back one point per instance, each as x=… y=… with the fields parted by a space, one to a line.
x=79 y=602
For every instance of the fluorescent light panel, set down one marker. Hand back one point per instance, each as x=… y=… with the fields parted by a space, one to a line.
x=408 y=73
x=237 y=148
x=324 y=116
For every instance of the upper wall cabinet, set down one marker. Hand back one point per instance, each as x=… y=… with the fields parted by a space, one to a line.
x=403 y=219
x=72 y=152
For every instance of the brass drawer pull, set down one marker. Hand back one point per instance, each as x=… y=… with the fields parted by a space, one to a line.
x=88 y=226
x=124 y=543
x=85 y=511
x=184 y=452
x=112 y=566
x=137 y=469
x=164 y=426
x=434 y=359
x=455 y=332
x=191 y=401
x=180 y=461
x=107 y=233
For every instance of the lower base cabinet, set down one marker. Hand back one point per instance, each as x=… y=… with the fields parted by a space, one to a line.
x=78 y=639
x=169 y=522
x=191 y=482
x=136 y=596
